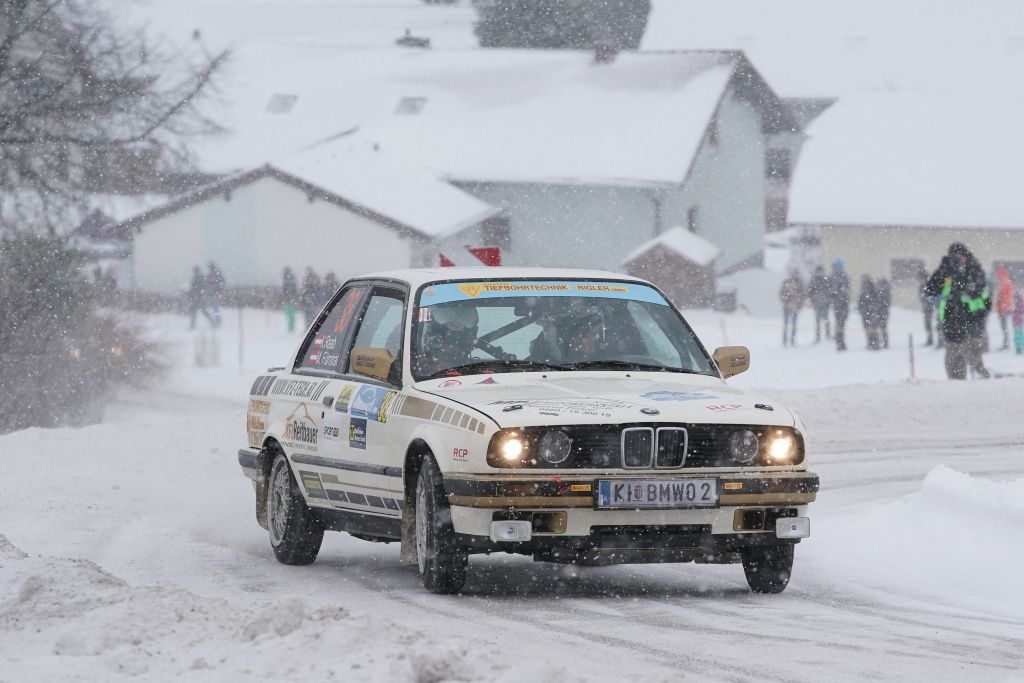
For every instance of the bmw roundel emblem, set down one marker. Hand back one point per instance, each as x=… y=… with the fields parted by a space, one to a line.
x=650 y=411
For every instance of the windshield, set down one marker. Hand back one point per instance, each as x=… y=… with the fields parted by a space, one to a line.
x=532 y=325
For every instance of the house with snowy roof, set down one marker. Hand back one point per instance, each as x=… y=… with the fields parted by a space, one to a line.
x=680 y=262
x=887 y=181
x=554 y=157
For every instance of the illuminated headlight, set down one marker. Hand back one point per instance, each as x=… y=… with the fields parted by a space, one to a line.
x=511 y=448
x=554 y=447
x=781 y=447
x=743 y=445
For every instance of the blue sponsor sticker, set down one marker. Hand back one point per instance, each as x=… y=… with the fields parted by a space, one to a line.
x=372 y=403
x=677 y=396
x=357 y=433
x=595 y=289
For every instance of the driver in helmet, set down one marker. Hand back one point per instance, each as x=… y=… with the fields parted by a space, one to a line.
x=448 y=338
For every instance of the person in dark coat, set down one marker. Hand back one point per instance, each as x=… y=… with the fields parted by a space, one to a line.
x=310 y=296
x=867 y=305
x=839 y=300
x=197 y=298
x=927 y=305
x=792 y=296
x=964 y=302
x=884 y=307
x=817 y=291
x=215 y=285
x=289 y=296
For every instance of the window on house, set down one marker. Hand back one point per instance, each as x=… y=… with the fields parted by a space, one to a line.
x=904 y=271
x=410 y=105
x=496 y=232
x=776 y=210
x=693 y=218
x=281 y=103
x=778 y=163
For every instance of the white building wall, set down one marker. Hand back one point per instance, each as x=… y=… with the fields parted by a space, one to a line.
x=256 y=231
x=727 y=185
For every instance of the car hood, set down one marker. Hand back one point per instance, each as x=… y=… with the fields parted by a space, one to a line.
x=563 y=398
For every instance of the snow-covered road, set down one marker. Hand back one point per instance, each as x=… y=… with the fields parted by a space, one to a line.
x=131 y=552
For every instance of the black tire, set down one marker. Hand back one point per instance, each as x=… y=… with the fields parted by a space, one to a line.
x=295 y=533
x=442 y=562
x=769 y=567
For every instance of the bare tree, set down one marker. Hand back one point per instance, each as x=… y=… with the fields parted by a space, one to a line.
x=80 y=98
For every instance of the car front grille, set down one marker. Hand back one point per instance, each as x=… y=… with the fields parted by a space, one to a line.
x=647 y=446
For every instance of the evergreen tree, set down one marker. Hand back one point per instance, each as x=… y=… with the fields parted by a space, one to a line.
x=562 y=23
x=60 y=359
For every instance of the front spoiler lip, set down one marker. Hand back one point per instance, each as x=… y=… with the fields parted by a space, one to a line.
x=783 y=488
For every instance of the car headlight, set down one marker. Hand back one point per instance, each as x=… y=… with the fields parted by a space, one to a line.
x=743 y=445
x=780 y=447
x=508 y=449
x=554 y=447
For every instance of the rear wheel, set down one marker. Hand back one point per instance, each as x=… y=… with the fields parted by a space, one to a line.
x=442 y=562
x=768 y=568
x=295 y=533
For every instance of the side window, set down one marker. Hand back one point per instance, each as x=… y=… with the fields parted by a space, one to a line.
x=326 y=348
x=380 y=330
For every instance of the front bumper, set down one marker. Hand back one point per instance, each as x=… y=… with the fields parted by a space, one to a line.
x=567 y=521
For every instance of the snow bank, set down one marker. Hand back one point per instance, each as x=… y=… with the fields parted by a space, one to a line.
x=957 y=539
x=62 y=615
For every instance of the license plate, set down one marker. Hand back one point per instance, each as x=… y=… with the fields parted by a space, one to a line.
x=657 y=493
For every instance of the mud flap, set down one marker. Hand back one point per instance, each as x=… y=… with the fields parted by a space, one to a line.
x=407 y=553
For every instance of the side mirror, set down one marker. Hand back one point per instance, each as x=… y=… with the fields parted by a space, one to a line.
x=371 y=362
x=732 y=360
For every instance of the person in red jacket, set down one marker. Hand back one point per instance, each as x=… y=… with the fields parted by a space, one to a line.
x=1004 y=303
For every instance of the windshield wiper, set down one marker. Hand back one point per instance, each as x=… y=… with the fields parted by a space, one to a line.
x=470 y=368
x=611 y=364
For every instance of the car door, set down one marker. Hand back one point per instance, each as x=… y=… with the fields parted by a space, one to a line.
x=355 y=430
x=311 y=429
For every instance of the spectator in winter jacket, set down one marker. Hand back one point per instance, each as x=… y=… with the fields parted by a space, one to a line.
x=215 y=285
x=792 y=295
x=884 y=306
x=1004 y=303
x=839 y=300
x=310 y=297
x=289 y=296
x=817 y=291
x=197 y=297
x=964 y=301
x=927 y=305
x=868 y=306
x=1018 y=322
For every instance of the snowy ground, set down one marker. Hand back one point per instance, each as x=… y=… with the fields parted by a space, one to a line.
x=131 y=550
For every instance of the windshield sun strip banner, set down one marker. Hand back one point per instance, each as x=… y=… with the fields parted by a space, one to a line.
x=595 y=289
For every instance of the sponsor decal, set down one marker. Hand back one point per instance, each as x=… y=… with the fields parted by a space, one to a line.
x=332 y=433
x=677 y=396
x=448 y=292
x=300 y=388
x=580 y=488
x=589 y=407
x=350 y=304
x=471 y=290
x=460 y=454
x=372 y=403
x=344 y=398
x=256 y=428
x=311 y=481
x=763 y=406
x=300 y=428
x=357 y=433
x=725 y=407
x=425 y=315
x=450 y=384
x=489 y=380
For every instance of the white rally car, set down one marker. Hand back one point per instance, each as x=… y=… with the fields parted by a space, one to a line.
x=568 y=415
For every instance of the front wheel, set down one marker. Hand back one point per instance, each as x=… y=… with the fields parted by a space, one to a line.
x=768 y=568
x=442 y=562
x=295 y=533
